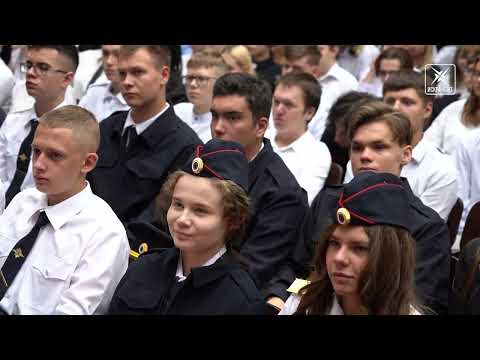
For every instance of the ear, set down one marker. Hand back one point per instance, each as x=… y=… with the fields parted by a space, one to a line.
x=68 y=79
x=406 y=155
x=261 y=127
x=89 y=163
x=165 y=74
x=309 y=113
x=428 y=109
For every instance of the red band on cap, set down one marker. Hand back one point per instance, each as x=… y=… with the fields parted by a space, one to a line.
x=221 y=151
x=213 y=172
x=368 y=189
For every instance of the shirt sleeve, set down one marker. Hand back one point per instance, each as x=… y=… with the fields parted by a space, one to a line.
x=441 y=191
x=435 y=133
x=99 y=271
x=291 y=305
x=464 y=170
x=3 y=152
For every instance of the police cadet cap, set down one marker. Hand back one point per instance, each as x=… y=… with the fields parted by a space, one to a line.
x=224 y=160
x=373 y=198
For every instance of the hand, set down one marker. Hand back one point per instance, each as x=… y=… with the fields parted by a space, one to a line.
x=276 y=302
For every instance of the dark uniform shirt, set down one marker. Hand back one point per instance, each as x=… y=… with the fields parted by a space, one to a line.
x=279 y=204
x=432 y=250
x=150 y=286
x=129 y=182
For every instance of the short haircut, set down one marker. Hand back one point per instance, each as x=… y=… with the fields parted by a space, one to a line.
x=256 y=92
x=310 y=87
x=160 y=53
x=81 y=121
x=208 y=59
x=70 y=52
x=378 y=111
x=296 y=52
x=407 y=79
x=340 y=112
x=392 y=53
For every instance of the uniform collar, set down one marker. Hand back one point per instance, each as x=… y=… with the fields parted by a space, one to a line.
x=160 y=127
x=144 y=125
x=333 y=72
x=257 y=166
x=336 y=308
x=297 y=145
x=206 y=274
x=109 y=95
x=61 y=213
x=420 y=150
x=33 y=113
x=179 y=274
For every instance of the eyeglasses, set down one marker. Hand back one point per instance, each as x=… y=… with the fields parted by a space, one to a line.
x=200 y=80
x=39 y=68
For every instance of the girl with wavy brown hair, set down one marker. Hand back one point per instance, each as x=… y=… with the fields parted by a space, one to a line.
x=365 y=261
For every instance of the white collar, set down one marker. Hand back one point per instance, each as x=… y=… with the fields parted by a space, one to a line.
x=61 y=213
x=420 y=150
x=179 y=274
x=332 y=72
x=259 y=151
x=34 y=113
x=336 y=308
x=144 y=125
x=301 y=142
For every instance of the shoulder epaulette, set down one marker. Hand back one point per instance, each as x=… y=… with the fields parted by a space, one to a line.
x=298 y=285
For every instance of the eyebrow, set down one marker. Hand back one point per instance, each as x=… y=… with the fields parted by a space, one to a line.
x=227 y=113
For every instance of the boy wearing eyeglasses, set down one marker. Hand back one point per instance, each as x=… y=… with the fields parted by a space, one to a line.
x=49 y=70
x=203 y=69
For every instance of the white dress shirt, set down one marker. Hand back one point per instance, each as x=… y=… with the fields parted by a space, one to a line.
x=200 y=123
x=7 y=82
x=431 y=175
x=357 y=65
x=77 y=260
x=467 y=160
x=335 y=83
x=291 y=306
x=447 y=129
x=180 y=275
x=14 y=130
x=100 y=100
x=308 y=160
x=2 y=197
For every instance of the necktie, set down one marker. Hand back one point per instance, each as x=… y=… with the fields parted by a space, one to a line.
x=23 y=161
x=130 y=137
x=18 y=255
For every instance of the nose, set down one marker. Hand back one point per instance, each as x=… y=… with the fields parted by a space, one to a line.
x=366 y=155
x=218 y=128
x=396 y=105
x=127 y=81
x=341 y=257
x=38 y=163
x=184 y=219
